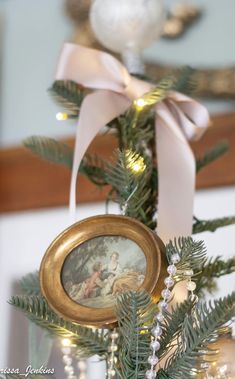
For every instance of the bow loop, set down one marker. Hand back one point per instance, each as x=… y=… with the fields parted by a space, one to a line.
x=92 y=69
x=178 y=118
x=192 y=116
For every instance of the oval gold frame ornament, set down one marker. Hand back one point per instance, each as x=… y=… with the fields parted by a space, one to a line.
x=97 y=226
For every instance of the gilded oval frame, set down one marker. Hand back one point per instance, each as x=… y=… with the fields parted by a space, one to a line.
x=96 y=226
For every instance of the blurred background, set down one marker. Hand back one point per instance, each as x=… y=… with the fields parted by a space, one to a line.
x=31 y=35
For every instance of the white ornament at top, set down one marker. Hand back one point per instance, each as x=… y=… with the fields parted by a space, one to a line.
x=127 y=26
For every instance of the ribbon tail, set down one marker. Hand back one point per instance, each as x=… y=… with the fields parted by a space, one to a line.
x=176 y=167
x=97 y=110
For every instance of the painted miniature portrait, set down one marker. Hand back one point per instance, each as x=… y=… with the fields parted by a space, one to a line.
x=101 y=268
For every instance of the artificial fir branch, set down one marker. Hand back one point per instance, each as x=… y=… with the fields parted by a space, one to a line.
x=94 y=167
x=69 y=95
x=212 y=269
x=200 y=226
x=213 y=154
x=50 y=149
x=186 y=80
x=192 y=255
x=135 y=312
x=160 y=91
x=128 y=176
x=172 y=325
x=60 y=153
x=162 y=374
x=88 y=342
x=30 y=284
x=197 y=330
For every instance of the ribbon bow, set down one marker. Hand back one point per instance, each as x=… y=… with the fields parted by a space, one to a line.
x=179 y=118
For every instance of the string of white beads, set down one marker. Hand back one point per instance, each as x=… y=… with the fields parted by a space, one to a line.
x=82 y=368
x=112 y=359
x=159 y=318
x=68 y=362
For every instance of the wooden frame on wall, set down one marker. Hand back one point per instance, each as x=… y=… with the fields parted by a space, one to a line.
x=30 y=183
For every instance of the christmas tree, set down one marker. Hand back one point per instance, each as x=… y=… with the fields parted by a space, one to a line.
x=151 y=337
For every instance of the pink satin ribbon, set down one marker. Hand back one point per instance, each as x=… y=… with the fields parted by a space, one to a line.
x=178 y=119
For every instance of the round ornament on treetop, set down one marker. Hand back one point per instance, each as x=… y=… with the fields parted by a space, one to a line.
x=127 y=26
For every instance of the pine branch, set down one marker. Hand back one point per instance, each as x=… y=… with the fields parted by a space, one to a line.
x=129 y=176
x=161 y=90
x=60 y=153
x=212 y=269
x=69 y=95
x=162 y=374
x=186 y=82
x=50 y=150
x=201 y=226
x=197 y=331
x=172 y=325
x=136 y=138
x=192 y=255
x=30 y=284
x=94 y=168
x=88 y=342
x=135 y=314
x=212 y=155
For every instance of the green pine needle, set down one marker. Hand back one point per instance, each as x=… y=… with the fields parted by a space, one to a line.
x=186 y=81
x=135 y=312
x=69 y=95
x=88 y=342
x=131 y=186
x=50 y=150
x=197 y=331
x=162 y=374
x=212 y=269
x=200 y=226
x=172 y=325
x=30 y=284
x=213 y=154
x=192 y=255
x=160 y=92
x=60 y=153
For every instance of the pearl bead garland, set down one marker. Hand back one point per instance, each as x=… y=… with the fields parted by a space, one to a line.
x=112 y=359
x=159 y=318
x=82 y=367
x=163 y=305
x=68 y=361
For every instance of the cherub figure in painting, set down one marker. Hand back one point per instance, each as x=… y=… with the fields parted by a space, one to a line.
x=94 y=282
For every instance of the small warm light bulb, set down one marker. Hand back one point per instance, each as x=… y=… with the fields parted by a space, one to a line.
x=60 y=116
x=136 y=165
x=66 y=342
x=139 y=104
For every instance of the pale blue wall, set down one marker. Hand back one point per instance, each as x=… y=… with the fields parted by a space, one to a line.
x=32 y=34
x=208 y=42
